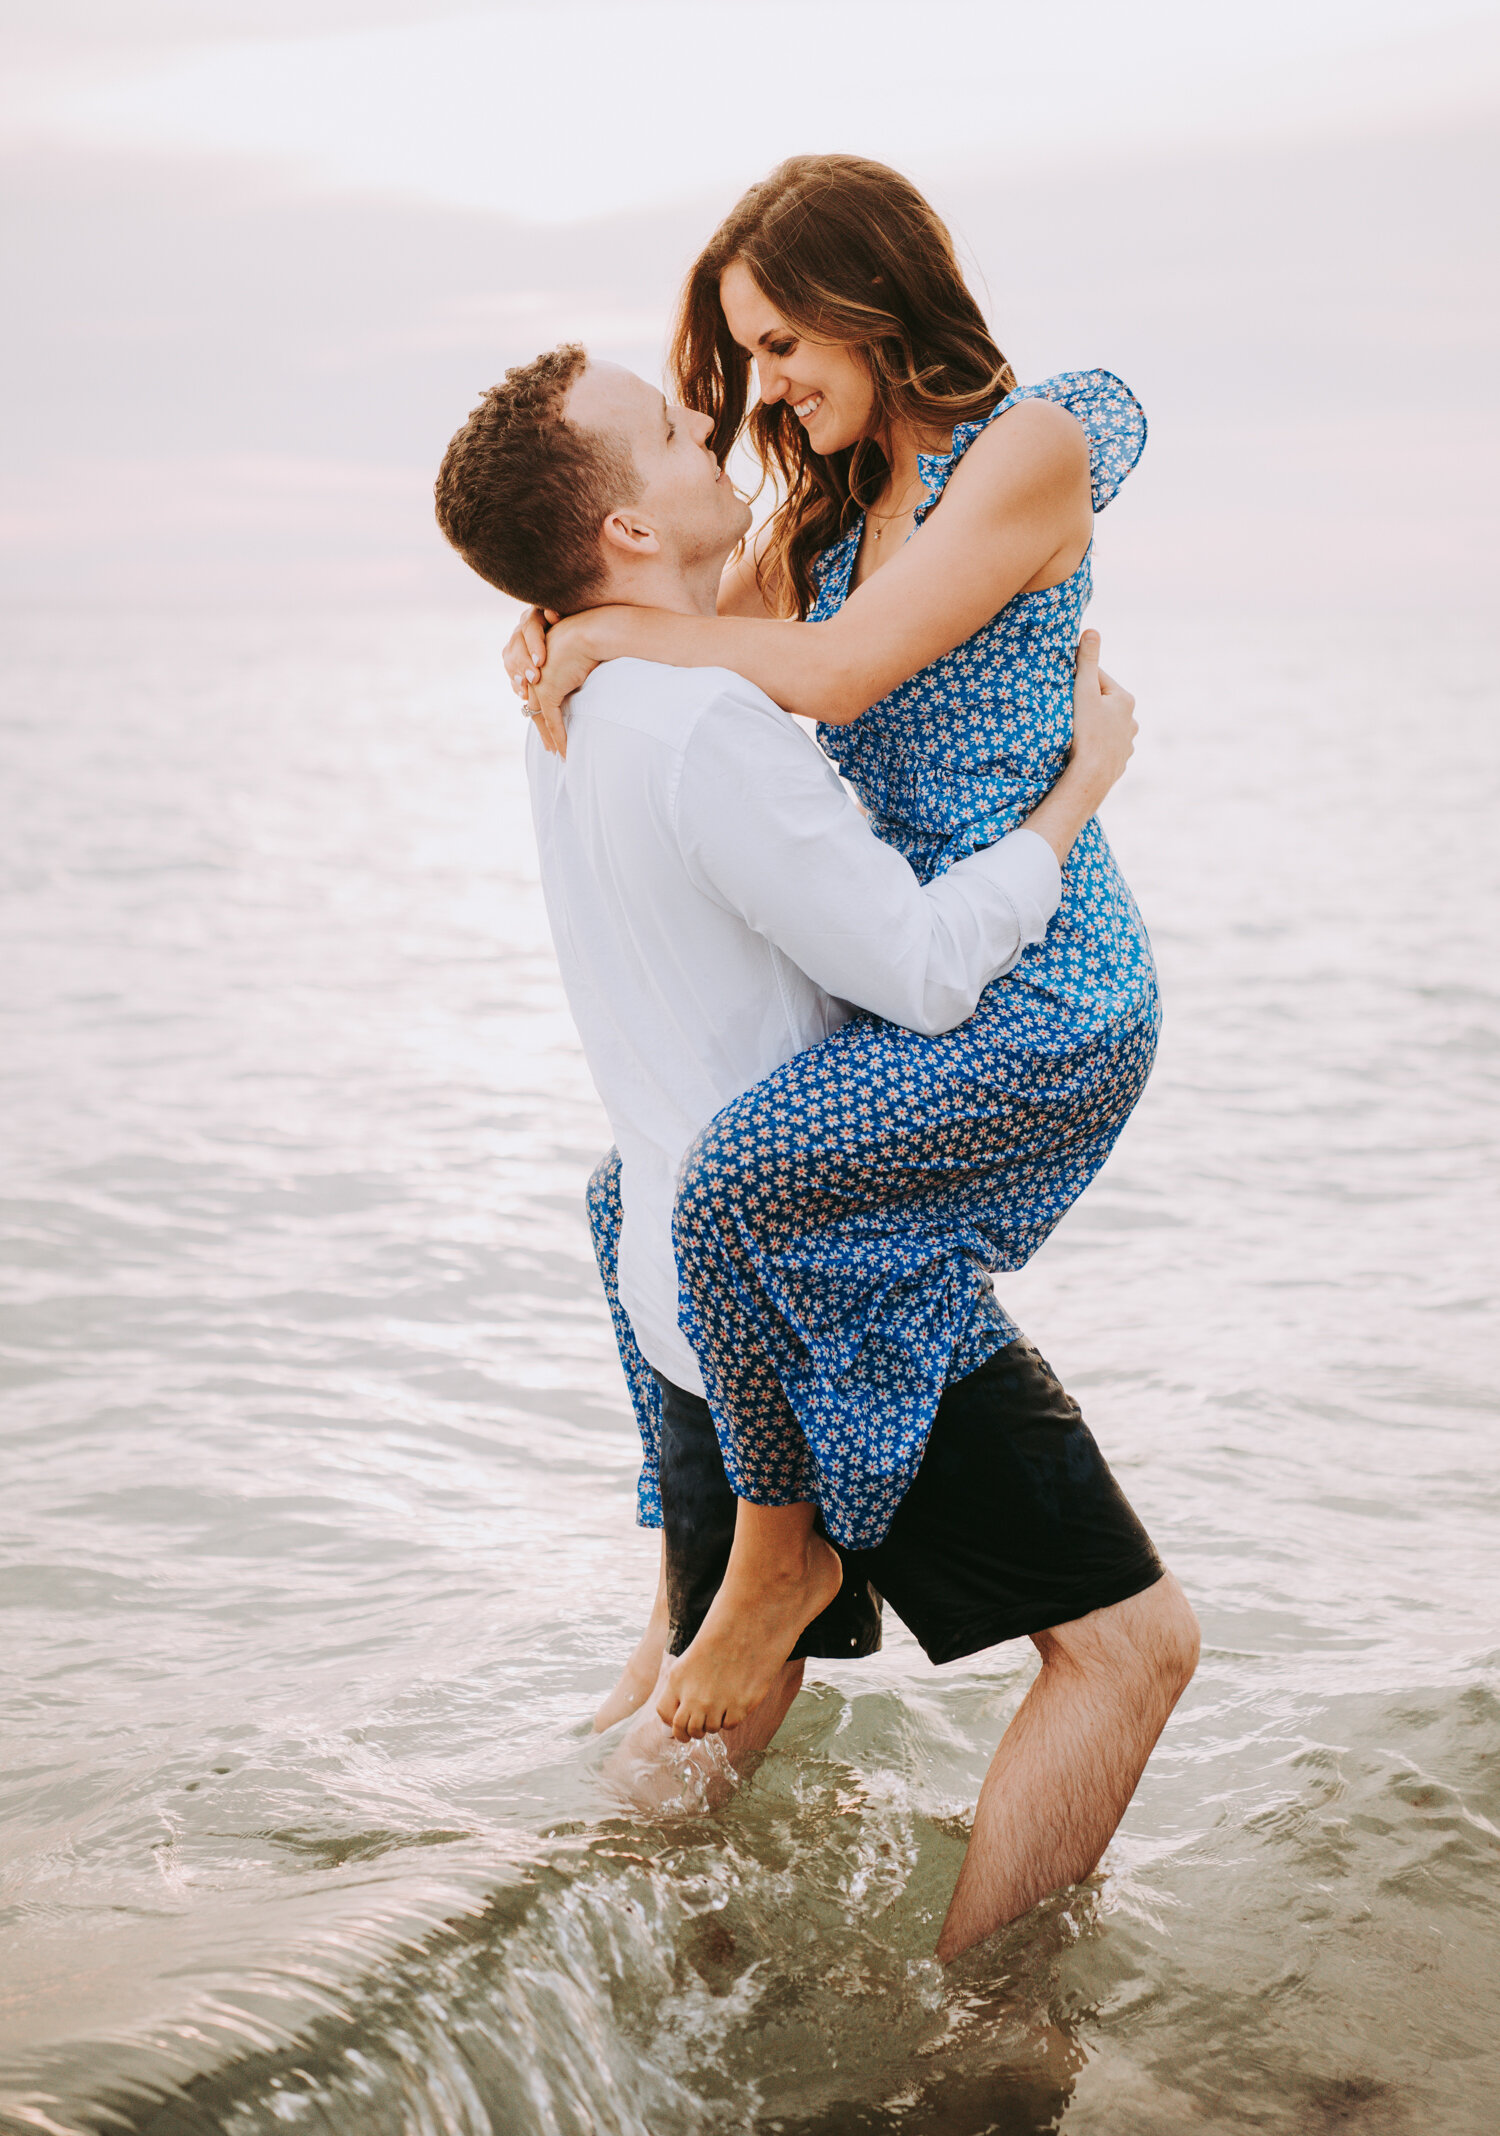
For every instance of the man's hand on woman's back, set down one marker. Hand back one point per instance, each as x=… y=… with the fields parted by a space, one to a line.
x=1104 y=727
x=1104 y=732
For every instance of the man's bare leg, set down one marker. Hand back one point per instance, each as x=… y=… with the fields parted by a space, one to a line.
x=639 y=1675
x=1069 y=1762
x=779 y=1577
x=651 y=1767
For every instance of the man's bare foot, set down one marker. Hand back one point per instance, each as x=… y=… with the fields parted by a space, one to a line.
x=639 y=1676
x=755 y=1620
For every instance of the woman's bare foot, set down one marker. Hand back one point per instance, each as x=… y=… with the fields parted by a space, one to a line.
x=653 y=1771
x=639 y=1676
x=780 y=1576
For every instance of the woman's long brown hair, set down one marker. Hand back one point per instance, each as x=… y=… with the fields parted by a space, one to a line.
x=848 y=251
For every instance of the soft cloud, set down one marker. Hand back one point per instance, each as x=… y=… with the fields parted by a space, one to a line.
x=230 y=376
x=561 y=112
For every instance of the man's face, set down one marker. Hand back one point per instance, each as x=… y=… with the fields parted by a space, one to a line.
x=686 y=496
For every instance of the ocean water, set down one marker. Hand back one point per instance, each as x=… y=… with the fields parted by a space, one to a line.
x=316 y=1542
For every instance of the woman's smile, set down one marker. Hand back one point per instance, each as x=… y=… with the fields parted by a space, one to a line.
x=806 y=409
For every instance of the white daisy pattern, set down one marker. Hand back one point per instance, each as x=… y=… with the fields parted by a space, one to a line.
x=837 y=1226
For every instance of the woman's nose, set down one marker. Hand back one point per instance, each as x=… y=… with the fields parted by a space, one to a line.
x=772 y=383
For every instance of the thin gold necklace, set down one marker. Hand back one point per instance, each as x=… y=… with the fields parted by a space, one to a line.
x=883 y=519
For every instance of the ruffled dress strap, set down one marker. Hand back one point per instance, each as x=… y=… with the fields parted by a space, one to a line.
x=1113 y=420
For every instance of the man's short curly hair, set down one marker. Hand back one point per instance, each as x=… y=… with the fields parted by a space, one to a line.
x=522 y=493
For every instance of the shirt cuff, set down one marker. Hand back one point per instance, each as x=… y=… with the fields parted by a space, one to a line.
x=1024 y=866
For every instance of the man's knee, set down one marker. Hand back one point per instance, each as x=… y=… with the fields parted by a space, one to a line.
x=1150 y=1639
x=1177 y=1640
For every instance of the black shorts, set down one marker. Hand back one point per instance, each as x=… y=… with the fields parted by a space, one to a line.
x=1013 y=1523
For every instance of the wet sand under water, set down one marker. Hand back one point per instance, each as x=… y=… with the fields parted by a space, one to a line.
x=316 y=1543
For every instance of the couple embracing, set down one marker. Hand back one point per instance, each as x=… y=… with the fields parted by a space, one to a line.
x=856 y=1060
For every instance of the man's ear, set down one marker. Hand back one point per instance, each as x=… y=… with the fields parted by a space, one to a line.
x=626 y=534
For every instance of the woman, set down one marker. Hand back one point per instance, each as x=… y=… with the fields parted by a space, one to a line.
x=836 y=1226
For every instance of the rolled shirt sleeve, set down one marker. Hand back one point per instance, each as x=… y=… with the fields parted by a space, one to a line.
x=767 y=829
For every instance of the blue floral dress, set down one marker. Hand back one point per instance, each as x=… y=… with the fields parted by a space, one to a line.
x=837 y=1226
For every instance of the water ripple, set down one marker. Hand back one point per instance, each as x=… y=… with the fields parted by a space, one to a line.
x=316 y=1549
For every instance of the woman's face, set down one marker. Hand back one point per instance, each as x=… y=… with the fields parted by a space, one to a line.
x=824 y=383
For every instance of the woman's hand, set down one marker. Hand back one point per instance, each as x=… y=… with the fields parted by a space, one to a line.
x=571 y=657
x=547 y=659
x=525 y=656
x=526 y=648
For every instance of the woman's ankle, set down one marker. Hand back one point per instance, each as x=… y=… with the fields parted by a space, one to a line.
x=771 y=1543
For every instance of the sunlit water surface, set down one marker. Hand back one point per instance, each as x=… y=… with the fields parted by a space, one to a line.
x=317 y=1536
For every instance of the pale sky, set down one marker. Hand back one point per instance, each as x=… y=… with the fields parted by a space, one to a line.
x=573 y=108
x=241 y=234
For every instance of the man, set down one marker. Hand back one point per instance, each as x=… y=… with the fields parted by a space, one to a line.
x=715 y=900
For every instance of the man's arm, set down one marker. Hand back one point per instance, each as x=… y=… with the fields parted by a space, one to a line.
x=770 y=831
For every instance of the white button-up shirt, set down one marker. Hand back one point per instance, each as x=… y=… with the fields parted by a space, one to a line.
x=716 y=900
